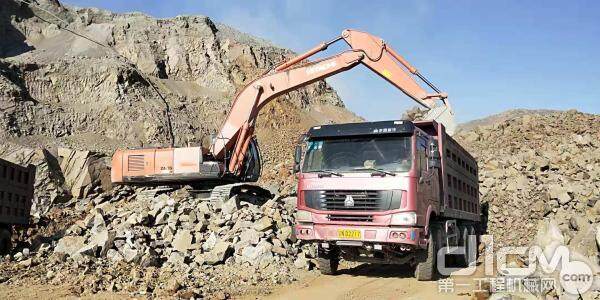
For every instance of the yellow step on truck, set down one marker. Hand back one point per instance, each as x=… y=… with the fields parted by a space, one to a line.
x=16 y=195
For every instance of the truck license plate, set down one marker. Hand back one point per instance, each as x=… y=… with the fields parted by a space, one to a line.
x=349 y=234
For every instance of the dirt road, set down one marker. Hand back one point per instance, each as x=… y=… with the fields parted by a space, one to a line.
x=63 y=292
x=365 y=281
x=369 y=282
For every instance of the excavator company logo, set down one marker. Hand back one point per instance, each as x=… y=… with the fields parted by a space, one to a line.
x=387 y=73
x=320 y=67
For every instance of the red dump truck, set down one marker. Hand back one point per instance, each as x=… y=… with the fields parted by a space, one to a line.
x=390 y=192
x=16 y=194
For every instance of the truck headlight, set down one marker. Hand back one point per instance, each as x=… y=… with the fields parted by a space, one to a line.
x=304 y=216
x=404 y=218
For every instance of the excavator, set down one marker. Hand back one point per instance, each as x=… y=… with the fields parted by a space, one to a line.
x=232 y=161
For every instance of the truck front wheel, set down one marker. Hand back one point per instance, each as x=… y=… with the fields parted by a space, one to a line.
x=328 y=261
x=426 y=264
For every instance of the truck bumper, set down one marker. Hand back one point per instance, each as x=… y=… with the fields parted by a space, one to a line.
x=368 y=234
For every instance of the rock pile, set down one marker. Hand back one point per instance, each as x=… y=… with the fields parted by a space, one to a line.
x=538 y=166
x=540 y=183
x=241 y=239
x=151 y=229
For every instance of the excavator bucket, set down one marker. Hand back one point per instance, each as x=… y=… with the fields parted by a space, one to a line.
x=444 y=115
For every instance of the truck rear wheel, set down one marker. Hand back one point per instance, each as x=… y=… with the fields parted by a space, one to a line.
x=426 y=267
x=5 y=242
x=328 y=261
x=473 y=231
x=463 y=259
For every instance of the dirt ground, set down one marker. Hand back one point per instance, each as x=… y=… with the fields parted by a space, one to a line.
x=52 y=292
x=368 y=281
x=361 y=282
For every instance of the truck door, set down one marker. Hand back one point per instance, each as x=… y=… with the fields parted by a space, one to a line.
x=427 y=178
x=435 y=177
x=422 y=197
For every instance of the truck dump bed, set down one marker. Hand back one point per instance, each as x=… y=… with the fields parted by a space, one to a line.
x=460 y=185
x=16 y=192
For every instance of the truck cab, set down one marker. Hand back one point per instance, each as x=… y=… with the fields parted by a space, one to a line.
x=371 y=191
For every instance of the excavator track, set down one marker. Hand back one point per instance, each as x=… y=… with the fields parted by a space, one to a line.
x=249 y=192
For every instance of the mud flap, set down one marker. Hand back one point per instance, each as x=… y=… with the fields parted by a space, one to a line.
x=452 y=236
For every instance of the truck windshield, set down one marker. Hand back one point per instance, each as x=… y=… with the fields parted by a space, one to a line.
x=357 y=154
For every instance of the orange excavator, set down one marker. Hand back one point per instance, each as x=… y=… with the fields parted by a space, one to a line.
x=233 y=158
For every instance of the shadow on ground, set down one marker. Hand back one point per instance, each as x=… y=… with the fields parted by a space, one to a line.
x=381 y=271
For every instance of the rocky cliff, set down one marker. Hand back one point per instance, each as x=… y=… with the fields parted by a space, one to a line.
x=61 y=89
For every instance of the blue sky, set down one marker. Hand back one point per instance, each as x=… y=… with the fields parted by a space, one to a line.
x=489 y=56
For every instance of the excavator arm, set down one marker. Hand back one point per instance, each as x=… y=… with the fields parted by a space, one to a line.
x=239 y=123
x=238 y=128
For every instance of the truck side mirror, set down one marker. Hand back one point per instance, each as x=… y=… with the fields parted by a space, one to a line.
x=297 y=158
x=434 y=155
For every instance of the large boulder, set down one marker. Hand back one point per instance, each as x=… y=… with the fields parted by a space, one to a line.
x=83 y=170
x=219 y=253
x=70 y=245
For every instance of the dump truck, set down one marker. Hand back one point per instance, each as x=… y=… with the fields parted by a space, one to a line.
x=389 y=192
x=16 y=194
x=232 y=160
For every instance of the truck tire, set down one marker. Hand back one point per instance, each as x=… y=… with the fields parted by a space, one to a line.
x=328 y=266
x=463 y=259
x=426 y=268
x=473 y=231
x=328 y=261
x=5 y=242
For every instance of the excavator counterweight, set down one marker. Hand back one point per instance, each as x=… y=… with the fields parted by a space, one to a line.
x=234 y=155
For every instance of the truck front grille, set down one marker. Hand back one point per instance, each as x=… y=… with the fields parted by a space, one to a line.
x=350 y=218
x=361 y=200
x=353 y=200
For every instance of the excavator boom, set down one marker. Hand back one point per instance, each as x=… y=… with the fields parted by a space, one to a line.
x=234 y=153
x=367 y=49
